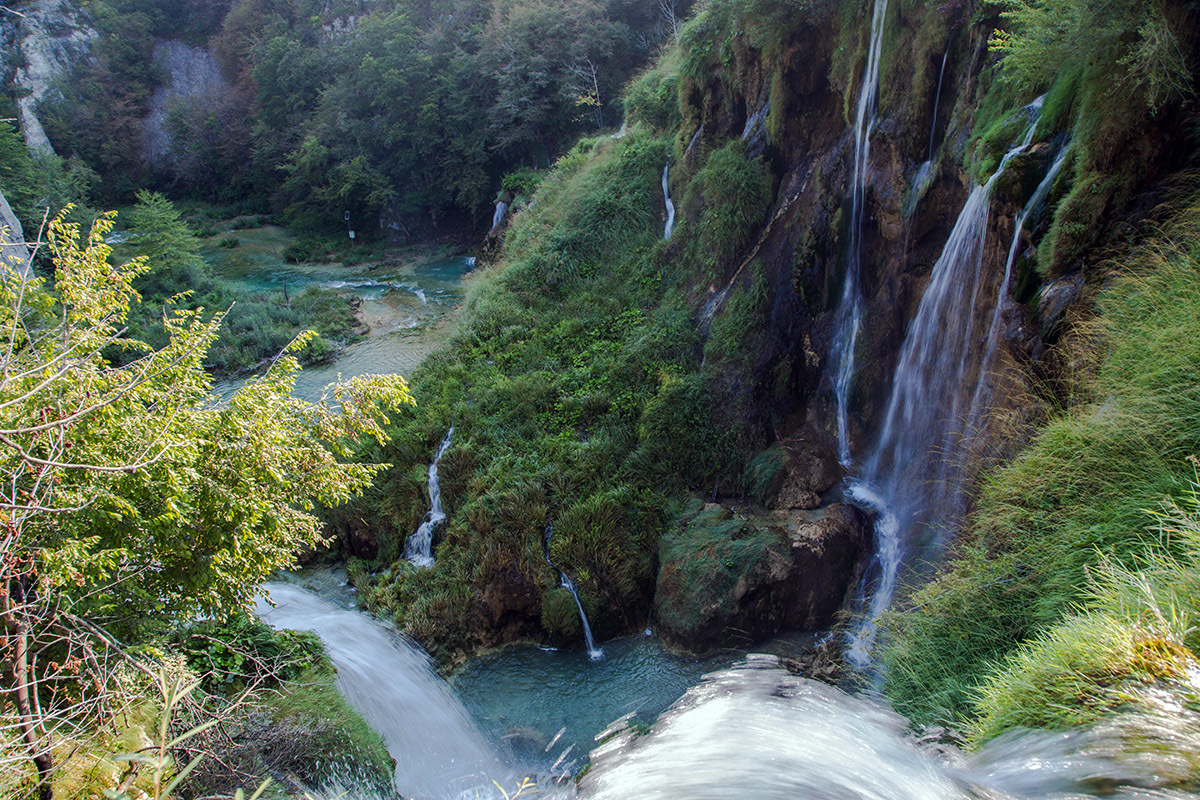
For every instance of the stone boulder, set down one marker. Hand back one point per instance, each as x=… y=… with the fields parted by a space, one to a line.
x=732 y=579
x=794 y=473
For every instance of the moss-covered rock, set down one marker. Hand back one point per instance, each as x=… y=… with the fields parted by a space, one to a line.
x=731 y=578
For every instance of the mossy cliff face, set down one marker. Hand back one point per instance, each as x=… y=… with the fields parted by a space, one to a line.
x=602 y=376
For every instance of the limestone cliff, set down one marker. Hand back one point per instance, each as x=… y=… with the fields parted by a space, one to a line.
x=52 y=36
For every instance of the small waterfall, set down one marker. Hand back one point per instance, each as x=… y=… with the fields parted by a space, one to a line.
x=983 y=384
x=849 y=313
x=390 y=681
x=418 y=548
x=670 y=226
x=594 y=652
x=924 y=176
x=906 y=479
x=498 y=215
x=936 y=99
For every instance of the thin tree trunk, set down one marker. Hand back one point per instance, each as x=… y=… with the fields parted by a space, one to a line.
x=41 y=755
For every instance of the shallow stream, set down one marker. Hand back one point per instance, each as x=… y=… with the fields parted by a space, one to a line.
x=408 y=305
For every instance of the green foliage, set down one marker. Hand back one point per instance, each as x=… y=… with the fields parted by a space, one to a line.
x=133 y=499
x=1135 y=628
x=213 y=497
x=725 y=203
x=35 y=185
x=652 y=98
x=1075 y=498
x=1141 y=38
x=522 y=182
x=257 y=326
x=231 y=654
x=576 y=395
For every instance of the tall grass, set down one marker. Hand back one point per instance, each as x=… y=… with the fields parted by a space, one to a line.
x=1077 y=498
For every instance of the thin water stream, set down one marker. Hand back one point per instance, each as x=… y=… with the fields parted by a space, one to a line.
x=848 y=318
x=669 y=226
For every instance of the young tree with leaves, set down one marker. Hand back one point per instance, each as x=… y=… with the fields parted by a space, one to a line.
x=129 y=496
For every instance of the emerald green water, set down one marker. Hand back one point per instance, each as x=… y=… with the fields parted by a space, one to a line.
x=523 y=695
x=406 y=303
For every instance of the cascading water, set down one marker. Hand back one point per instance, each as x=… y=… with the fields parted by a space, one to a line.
x=924 y=175
x=849 y=313
x=418 y=548
x=908 y=479
x=759 y=731
x=983 y=385
x=439 y=751
x=498 y=215
x=936 y=101
x=670 y=226
x=594 y=652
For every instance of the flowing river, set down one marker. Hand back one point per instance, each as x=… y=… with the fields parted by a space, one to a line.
x=657 y=726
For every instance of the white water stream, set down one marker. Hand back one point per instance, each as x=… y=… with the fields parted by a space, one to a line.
x=594 y=652
x=910 y=478
x=848 y=319
x=440 y=753
x=669 y=227
x=498 y=215
x=418 y=548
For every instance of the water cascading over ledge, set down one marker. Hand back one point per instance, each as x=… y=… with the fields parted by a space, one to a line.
x=913 y=478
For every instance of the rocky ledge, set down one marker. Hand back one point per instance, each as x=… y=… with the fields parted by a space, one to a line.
x=730 y=578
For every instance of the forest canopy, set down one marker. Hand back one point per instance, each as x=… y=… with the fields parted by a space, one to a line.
x=405 y=113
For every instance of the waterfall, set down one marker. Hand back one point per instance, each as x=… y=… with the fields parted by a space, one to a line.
x=390 y=681
x=758 y=731
x=906 y=479
x=498 y=215
x=983 y=383
x=418 y=548
x=670 y=226
x=594 y=652
x=924 y=175
x=936 y=99
x=849 y=313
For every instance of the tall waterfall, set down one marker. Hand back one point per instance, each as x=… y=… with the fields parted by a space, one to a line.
x=594 y=652
x=909 y=479
x=439 y=751
x=670 y=226
x=418 y=548
x=849 y=313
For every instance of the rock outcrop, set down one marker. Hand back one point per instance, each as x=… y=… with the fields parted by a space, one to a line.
x=192 y=77
x=53 y=38
x=13 y=251
x=731 y=579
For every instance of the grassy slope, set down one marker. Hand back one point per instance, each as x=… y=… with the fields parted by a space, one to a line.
x=578 y=388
